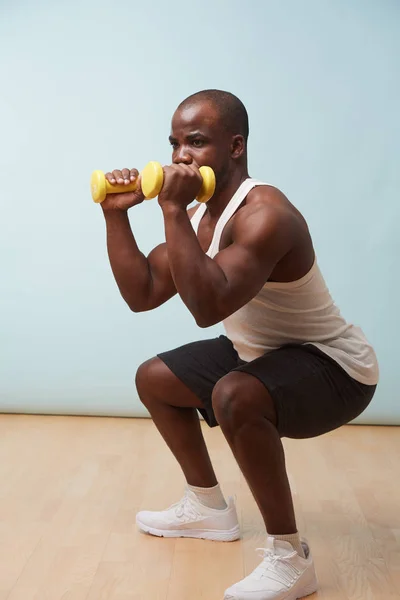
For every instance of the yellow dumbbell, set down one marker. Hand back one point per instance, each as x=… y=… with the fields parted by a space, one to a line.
x=152 y=182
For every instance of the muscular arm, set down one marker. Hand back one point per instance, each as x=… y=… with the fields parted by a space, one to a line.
x=144 y=283
x=213 y=289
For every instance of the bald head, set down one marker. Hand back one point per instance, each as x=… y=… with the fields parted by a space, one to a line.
x=211 y=128
x=231 y=111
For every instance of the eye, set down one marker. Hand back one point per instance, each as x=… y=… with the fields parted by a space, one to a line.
x=174 y=145
x=198 y=143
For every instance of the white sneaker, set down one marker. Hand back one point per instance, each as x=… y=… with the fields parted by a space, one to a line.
x=190 y=518
x=282 y=575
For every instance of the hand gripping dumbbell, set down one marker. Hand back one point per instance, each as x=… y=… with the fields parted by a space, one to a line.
x=152 y=179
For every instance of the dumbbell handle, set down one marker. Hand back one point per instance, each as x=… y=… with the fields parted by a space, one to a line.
x=100 y=187
x=152 y=179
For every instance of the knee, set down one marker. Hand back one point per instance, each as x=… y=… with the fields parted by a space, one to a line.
x=239 y=399
x=231 y=402
x=148 y=378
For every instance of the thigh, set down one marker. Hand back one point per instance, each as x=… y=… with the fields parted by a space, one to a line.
x=311 y=392
x=199 y=366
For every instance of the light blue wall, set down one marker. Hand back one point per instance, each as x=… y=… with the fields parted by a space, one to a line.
x=89 y=84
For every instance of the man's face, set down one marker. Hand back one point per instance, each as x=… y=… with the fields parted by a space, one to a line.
x=198 y=137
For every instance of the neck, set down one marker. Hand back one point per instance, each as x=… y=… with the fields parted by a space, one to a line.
x=221 y=198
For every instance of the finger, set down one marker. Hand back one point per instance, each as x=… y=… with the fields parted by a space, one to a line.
x=139 y=183
x=182 y=170
x=118 y=176
x=190 y=170
x=169 y=169
x=126 y=174
x=110 y=177
x=194 y=168
x=134 y=174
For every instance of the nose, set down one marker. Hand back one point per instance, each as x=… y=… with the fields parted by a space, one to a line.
x=182 y=155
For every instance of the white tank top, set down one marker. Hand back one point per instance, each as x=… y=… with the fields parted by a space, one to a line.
x=301 y=311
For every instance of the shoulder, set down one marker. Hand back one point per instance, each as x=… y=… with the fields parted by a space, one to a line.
x=268 y=219
x=266 y=209
x=270 y=199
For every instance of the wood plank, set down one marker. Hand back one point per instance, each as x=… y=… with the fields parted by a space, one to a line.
x=71 y=487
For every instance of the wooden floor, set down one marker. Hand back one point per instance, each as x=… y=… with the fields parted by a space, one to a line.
x=70 y=488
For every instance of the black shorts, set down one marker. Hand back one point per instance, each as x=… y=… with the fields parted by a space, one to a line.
x=311 y=392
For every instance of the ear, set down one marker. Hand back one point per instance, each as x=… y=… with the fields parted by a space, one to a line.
x=238 y=146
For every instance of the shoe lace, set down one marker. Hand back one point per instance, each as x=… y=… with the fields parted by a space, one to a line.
x=277 y=567
x=185 y=510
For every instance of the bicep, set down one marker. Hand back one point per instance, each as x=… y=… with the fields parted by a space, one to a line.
x=245 y=273
x=162 y=284
x=258 y=245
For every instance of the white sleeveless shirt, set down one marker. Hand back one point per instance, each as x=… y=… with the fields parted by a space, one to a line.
x=301 y=311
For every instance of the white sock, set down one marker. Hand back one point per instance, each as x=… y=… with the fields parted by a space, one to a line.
x=211 y=497
x=294 y=539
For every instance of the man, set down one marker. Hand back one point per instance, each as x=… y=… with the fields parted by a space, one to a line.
x=289 y=365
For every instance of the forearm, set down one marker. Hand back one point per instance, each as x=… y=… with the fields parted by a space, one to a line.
x=129 y=265
x=200 y=281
